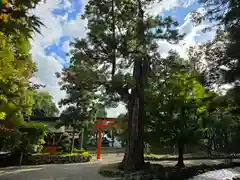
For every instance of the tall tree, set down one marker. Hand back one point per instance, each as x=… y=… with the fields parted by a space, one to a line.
x=80 y=81
x=175 y=102
x=121 y=37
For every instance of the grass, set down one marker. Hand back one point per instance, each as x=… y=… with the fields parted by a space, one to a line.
x=188 y=156
x=160 y=156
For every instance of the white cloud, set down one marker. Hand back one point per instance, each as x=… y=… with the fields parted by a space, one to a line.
x=58 y=26
x=47 y=66
x=115 y=112
x=193 y=35
x=166 y=5
x=66 y=46
x=75 y=28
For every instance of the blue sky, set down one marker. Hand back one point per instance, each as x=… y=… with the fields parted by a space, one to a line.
x=178 y=14
x=71 y=12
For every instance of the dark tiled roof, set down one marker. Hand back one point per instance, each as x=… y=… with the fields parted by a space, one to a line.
x=42 y=119
x=107 y=118
x=54 y=119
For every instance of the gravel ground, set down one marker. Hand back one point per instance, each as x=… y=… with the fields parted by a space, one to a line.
x=223 y=174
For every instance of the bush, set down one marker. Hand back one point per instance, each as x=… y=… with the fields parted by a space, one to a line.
x=79 y=151
x=57 y=159
x=85 y=154
x=65 y=143
x=45 y=158
x=31 y=140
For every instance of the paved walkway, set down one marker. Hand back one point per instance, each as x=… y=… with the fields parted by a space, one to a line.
x=87 y=171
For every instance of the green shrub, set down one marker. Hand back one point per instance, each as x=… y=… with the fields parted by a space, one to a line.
x=31 y=140
x=79 y=150
x=85 y=154
x=65 y=143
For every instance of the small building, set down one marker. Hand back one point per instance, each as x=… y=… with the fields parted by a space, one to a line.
x=54 y=133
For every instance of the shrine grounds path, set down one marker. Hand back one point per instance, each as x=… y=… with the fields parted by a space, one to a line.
x=86 y=171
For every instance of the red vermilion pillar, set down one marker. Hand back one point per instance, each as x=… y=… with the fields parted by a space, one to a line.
x=99 y=143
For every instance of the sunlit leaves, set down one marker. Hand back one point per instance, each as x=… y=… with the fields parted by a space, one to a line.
x=16 y=68
x=16 y=19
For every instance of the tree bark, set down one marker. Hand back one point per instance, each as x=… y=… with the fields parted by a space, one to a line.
x=21 y=158
x=180 y=140
x=73 y=140
x=180 y=162
x=82 y=137
x=134 y=151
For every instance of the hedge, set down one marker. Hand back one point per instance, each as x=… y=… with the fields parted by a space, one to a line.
x=10 y=160
x=57 y=159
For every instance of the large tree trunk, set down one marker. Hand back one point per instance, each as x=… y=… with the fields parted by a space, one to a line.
x=180 y=140
x=134 y=151
x=180 y=162
x=133 y=157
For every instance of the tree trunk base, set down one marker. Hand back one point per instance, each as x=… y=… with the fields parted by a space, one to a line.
x=132 y=163
x=180 y=164
x=120 y=165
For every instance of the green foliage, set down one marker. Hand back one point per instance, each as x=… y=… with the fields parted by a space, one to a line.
x=65 y=143
x=116 y=55
x=86 y=154
x=173 y=104
x=15 y=18
x=43 y=101
x=101 y=111
x=16 y=69
x=123 y=123
x=9 y=140
x=32 y=136
x=79 y=151
x=222 y=54
x=222 y=58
